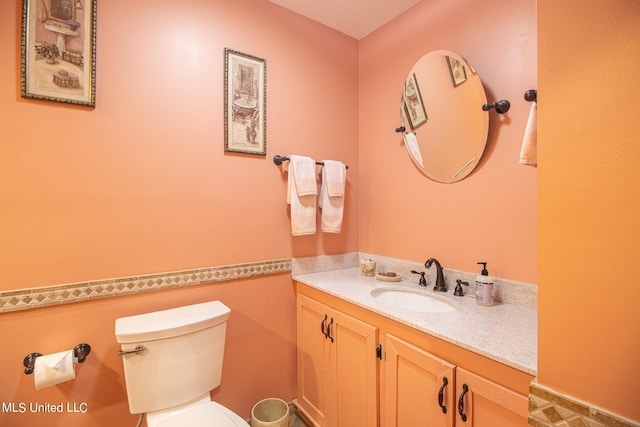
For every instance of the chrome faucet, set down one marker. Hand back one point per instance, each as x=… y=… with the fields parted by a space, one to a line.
x=440 y=285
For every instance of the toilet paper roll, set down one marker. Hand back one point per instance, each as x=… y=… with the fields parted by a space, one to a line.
x=54 y=369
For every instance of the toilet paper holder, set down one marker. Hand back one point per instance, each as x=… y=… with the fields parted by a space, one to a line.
x=80 y=352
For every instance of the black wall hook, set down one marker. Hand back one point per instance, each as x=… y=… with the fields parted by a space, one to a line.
x=501 y=106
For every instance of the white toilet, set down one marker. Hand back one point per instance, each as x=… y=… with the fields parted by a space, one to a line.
x=172 y=359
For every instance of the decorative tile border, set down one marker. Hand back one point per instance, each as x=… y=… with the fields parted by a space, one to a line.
x=548 y=408
x=25 y=299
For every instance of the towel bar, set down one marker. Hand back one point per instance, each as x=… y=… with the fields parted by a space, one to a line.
x=278 y=159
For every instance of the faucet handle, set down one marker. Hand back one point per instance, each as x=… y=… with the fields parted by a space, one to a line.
x=423 y=281
x=458 y=292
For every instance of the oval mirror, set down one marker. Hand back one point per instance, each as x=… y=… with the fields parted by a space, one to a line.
x=441 y=109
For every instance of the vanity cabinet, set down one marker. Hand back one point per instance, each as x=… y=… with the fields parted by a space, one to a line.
x=418 y=386
x=357 y=368
x=337 y=369
x=483 y=403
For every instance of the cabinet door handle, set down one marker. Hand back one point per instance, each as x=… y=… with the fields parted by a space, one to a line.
x=465 y=389
x=329 y=329
x=324 y=322
x=445 y=381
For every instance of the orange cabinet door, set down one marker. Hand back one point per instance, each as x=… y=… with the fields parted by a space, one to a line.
x=418 y=387
x=337 y=370
x=313 y=359
x=354 y=372
x=483 y=403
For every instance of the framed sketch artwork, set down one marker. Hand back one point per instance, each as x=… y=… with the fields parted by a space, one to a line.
x=458 y=74
x=245 y=103
x=413 y=104
x=58 y=52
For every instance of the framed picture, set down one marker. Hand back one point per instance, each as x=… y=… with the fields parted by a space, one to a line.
x=245 y=103
x=413 y=105
x=59 y=50
x=458 y=74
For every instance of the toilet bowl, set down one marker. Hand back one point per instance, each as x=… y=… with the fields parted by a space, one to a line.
x=172 y=360
x=202 y=412
x=208 y=414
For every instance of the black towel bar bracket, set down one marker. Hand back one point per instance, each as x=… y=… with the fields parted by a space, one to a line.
x=501 y=106
x=531 y=95
x=278 y=159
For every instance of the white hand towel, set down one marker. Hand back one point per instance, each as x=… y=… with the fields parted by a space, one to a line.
x=411 y=142
x=529 y=150
x=302 y=189
x=334 y=177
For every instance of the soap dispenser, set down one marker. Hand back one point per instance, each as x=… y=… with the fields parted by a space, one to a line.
x=484 y=287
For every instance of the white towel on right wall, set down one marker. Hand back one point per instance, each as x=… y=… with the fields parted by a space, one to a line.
x=529 y=150
x=334 y=177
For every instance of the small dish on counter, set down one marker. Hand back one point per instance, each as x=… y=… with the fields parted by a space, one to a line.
x=388 y=277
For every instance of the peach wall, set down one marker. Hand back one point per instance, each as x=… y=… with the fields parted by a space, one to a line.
x=490 y=215
x=141 y=184
x=589 y=189
x=147 y=187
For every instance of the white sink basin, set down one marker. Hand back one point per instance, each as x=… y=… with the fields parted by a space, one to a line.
x=411 y=300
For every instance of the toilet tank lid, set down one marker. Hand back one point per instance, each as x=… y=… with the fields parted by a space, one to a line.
x=170 y=323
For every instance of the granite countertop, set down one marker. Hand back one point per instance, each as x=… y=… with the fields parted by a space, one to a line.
x=506 y=333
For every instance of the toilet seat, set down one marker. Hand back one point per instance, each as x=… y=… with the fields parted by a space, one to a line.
x=207 y=415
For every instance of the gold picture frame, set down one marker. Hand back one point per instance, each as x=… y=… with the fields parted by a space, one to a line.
x=413 y=104
x=245 y=103
x=458 y=73
x=58 y=51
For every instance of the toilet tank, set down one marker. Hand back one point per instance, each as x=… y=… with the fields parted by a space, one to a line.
x=182 y=356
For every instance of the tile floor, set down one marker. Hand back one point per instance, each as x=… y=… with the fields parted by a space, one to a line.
x=296 y=419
